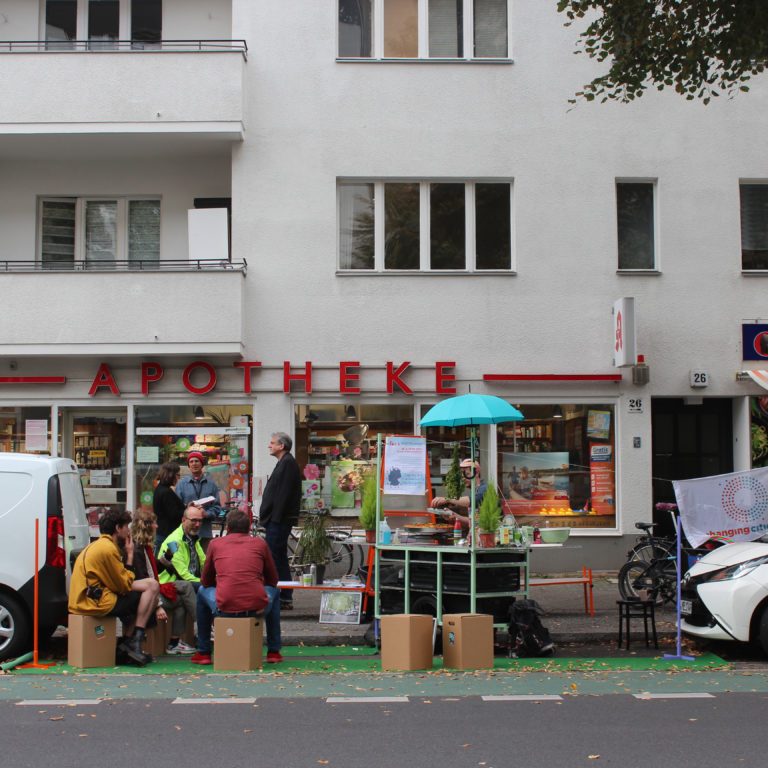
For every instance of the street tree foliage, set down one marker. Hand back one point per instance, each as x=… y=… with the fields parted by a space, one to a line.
x=701 y=48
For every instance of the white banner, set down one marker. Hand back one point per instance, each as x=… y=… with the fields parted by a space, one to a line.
x=405 y=465
x=733 y=506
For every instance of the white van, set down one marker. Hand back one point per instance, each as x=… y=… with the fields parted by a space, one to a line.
x=46 y=490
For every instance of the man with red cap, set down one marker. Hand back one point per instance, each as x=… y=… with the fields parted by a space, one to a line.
x=460 y=508
x=196 y=486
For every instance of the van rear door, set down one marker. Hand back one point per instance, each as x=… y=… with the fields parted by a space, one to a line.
x=76 y=536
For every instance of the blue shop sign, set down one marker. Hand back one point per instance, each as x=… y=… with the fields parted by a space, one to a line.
x=754 y=341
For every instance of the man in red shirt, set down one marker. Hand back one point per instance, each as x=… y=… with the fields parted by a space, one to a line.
x=239 y=579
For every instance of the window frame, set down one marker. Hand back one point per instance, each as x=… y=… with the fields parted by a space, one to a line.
x=125 y=32
x=468 y=42
x=749 y=183
x=425 y=268
x=122 y=255
x=653 y=183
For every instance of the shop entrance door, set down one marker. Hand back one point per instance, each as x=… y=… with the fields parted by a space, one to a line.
x=95 y=439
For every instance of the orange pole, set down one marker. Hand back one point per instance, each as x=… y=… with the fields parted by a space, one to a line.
x=36 y=618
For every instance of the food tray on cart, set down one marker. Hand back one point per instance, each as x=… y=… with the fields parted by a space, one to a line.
x=428 y=529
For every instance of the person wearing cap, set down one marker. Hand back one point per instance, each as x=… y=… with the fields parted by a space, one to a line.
x=458 y=509
x=196 y=486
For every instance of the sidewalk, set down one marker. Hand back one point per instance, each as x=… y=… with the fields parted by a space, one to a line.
x=564 y=618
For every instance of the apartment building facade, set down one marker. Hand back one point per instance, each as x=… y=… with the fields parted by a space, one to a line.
x=224 y=218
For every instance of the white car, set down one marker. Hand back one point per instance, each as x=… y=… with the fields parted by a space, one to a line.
x=724 y=596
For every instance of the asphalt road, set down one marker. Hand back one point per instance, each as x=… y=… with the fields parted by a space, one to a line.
x=722 y=729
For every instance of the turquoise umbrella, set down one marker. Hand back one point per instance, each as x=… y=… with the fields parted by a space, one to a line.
x=470 y=409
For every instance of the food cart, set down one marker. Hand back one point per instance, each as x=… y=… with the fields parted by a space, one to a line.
x=424 y=571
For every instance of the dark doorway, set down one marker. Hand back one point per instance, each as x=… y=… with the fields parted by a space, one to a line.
x=688 y=441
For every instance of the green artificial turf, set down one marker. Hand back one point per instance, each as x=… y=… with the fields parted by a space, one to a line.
x=341 y=659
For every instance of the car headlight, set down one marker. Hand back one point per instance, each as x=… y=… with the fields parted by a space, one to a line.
x=733 y=571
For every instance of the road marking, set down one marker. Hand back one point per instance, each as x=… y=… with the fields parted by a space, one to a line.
x=57 y=702
x=691 y=695
x=230 y=700
x=367 y=700
x=525 y=697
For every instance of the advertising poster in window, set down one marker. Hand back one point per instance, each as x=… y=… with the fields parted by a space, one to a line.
x=405 y=465
x=601 y=476
x=599 y=425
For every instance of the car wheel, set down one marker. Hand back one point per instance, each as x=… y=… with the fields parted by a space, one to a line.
x=763 y=635
x=15 y=630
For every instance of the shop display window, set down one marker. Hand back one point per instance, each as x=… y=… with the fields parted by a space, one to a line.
x=335 y=446
x=25 y=430
x=168 y=433
x=758 y=407
x=557 y=466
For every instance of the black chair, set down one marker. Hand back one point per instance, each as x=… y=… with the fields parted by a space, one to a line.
x=635 y=609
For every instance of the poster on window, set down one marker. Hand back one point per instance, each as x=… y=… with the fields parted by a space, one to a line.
x=405 y=465
x=36 y=434
x=601 y=478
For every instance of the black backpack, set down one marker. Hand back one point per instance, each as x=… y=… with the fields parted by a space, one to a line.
x=527 y=635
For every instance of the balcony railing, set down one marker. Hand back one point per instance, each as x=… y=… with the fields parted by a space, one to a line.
x=134 y=265
x=130 y=46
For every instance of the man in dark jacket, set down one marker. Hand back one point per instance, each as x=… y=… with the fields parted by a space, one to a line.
x=280 y=508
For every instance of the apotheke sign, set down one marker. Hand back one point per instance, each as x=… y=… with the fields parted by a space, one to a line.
x=206 y=375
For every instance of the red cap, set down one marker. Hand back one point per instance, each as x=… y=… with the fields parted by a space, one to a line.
x=195 y=455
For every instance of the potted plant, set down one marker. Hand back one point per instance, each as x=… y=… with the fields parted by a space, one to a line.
x=314 y=543
x=454 y=480
x=489 y=516
x=367 y=515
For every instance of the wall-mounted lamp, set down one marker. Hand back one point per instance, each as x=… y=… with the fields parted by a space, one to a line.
x=557 y=412
x=641 y=373
x=350 y=414
x=199 y=414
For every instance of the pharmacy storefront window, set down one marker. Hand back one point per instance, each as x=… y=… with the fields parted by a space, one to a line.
x=557 y=466
x=25 y=430
x=222 y=433
x=336 y=446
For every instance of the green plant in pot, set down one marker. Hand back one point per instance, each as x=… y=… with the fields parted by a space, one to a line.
x=489 y=516
x=454 y=480
x=367 y=515
x=314 y=544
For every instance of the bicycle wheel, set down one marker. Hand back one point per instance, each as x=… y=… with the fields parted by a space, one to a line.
x=637 y=576
x=340 y=559
x=655 y=549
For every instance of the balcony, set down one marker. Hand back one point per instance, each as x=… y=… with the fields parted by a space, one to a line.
x=161 y=308
x=178 y=87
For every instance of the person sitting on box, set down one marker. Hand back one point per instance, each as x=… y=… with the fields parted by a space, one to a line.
x=181 y=554
x=239 y=580
x=179 y=601
x=102 y=585
x=458 y=509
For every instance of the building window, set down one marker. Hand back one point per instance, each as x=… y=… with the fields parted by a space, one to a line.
x=635 y=224
x=99 y=231
x=412 y=29
x=102 y=22
x=754 y=226
x=425 y=226
x=557 y=466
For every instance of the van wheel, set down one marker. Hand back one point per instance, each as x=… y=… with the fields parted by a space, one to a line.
x=15 y=631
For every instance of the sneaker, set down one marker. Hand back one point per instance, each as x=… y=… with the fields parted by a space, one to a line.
x=286 y=605
x=273 y=657
x=180 y=647
x=201 y=658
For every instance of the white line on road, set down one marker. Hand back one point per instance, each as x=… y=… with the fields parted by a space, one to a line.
x=367 y=700
x=246 y=700
x=690 y=695
x=525 y=697
x=57 y=702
